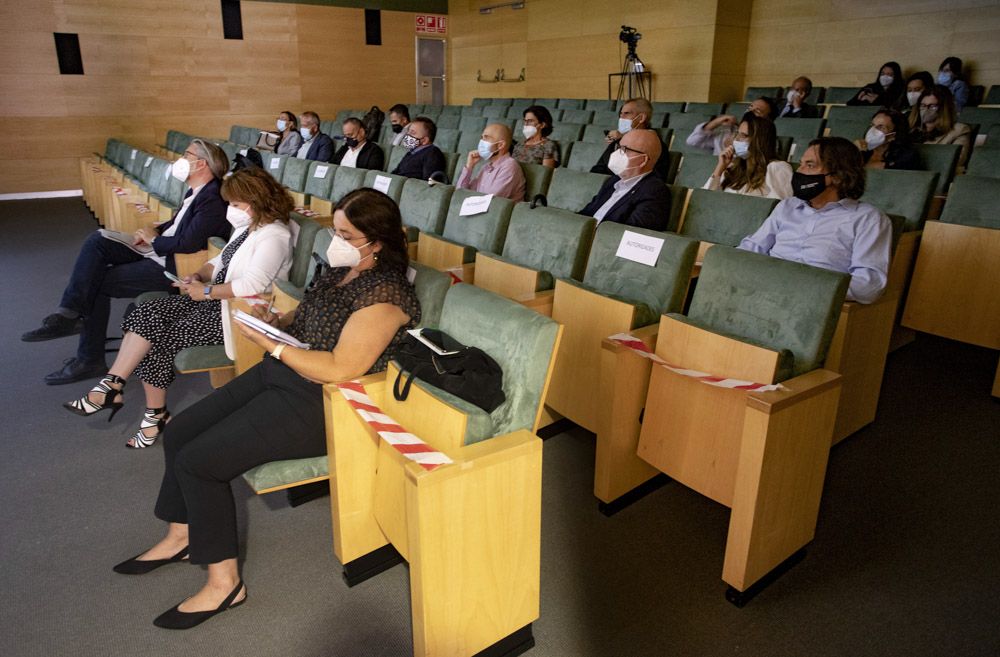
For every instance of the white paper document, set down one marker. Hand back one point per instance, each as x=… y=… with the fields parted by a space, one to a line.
x=268 y=330
x=639 y=248
x=275 y=163
x=320 y=171
x=430 y=345
x=149 y=160
x=382 y=183
x=475 y=205
x=127 y=239
x=134 y=153
x=411 y=274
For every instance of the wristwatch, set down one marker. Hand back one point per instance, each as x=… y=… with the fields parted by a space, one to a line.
x=208 y=291
x=276 y=354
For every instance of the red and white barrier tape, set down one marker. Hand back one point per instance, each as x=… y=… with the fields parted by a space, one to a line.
x=640 y=348
x=391 y=432
x=305 y=212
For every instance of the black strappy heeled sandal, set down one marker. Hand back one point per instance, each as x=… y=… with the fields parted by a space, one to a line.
x=149 y=421
x=113 y=398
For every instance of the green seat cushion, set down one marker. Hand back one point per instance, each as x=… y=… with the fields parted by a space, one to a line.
x=281 y=473
x=905 y=193
x=425 y=206
x=431 y=286
x=545 y=278
x=289 y=288
x=482 y=232
x=723 y=218
x=302 y=253
x=972 y=202
x=202 y=358
x=550 y=240
x=573 y=190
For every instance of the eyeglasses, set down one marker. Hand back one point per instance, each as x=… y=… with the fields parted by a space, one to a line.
x=194 y=155
x=350 y=239
x=930 y=107
x=625 y=149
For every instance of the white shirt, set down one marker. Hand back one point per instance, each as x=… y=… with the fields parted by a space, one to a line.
x=777 y=182
x=172 y=229
x=622 y=187
x=304 y=148
x=350 y=158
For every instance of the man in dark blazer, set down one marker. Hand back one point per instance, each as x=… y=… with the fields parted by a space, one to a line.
x=636 y=113
x=112 y=268
x=633 y=195
x=316 y=145
x=424 y=158
x=358 y=151
x=794 y=105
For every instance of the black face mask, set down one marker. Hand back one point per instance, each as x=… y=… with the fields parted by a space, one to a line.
x=806 y=186
x=351 y=142
x=397 y=128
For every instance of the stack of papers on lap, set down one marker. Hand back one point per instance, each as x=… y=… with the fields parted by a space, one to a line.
x=127 y=239
x=268 y=330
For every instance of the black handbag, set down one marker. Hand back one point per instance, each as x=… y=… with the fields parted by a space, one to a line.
x=469 y=373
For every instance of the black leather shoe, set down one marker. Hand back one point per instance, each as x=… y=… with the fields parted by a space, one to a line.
x=74 y=370
x=54 y=326
x=185 y=620
x=135 y=567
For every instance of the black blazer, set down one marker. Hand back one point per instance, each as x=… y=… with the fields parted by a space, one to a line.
x=660 y=169
x=204 y=219
x=647 y=205
x=321 y=148
x=371 y=156
x=806 y=111
x=422 y=164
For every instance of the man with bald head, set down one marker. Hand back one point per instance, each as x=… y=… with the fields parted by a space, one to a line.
x=500 y=174
x=632 y=196
x=636 y=113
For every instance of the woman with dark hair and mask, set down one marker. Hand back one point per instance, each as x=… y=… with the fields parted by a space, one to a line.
x=290 y=140
x=916 y=84
x=885 y=91
x=750 y=164
x=887 y=145
x=537 y=148
x=950 y=76
x=934 y=121
x=353 y=318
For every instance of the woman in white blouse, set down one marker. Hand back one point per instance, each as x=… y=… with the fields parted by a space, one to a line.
x=750 y=165
x=259 y=250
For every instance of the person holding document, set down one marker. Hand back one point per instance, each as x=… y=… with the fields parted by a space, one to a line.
x=353 y=318
x=107 y=268
x=259 y=251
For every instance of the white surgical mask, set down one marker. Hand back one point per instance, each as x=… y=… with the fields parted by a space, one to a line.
x=912 y=97
x=342 y=253
x=885 y=80
x=618 y=162
x=529 y=131
x=237 y=217
x=180 y=169
x=281 y=125
x=306 y=133
x=874 y=138
x=741 y=149
x=485 y=149
x=944 y=77
x=624 y=125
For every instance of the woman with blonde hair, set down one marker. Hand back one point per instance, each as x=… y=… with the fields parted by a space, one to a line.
x=259 y=250
x=750 y=164
x=933 y=120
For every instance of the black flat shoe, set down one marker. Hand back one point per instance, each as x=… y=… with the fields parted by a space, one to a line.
x=54 y=326
x=135 y=567
x=74 y=370
x=185 y=620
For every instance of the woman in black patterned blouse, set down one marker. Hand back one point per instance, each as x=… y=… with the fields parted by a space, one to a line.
x=353 y=318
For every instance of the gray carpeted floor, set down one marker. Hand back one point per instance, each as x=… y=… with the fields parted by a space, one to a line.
x=906 y=559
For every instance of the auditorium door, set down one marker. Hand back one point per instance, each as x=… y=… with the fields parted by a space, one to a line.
x=430 y=71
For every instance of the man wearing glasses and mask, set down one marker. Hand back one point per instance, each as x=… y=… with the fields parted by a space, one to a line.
x=632 y=196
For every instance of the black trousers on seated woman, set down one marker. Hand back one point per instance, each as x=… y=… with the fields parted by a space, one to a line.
x=267 y=414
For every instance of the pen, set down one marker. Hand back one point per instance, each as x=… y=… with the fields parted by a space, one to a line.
x=270 y=306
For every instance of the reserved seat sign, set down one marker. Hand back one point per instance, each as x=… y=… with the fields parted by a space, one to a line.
x=640 y=248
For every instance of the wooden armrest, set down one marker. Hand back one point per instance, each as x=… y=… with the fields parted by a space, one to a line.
x=480 y=455
x=796 y=390
x=540 y=302
x=368 y=380
x=647 y=334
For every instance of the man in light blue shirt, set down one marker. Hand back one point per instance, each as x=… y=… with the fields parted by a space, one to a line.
x=825 y=225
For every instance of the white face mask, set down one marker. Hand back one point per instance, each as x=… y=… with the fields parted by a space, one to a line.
x=306 y=133
x=281 y=125
x=529 y=131
x=624 y=125
x=618 y=162
x=885 y=80
x=237 y=217
x=912 y=97
x=874 y=138
x=342 y=253
x=181 y=169
x=741 y=149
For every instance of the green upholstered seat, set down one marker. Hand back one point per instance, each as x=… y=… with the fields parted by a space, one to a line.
x=548 y=103
x=570 y=103
x=495 y=112
x=274 y=164
x=724 y=218
x=678 y=194
x=502 y=102
x=236 y=134
x=549 y=240
x=521 y=103
x=675 y=158
x=670 y=107
x=973 y=201
x=583 y=155
x=704 y=108
x=906 y=193
x=778 y=304
x=395 y=183
x=514 y=112
x=431 y=286
x=481 y=232
x=452 y=162
x=294 y=175
x=448 y=121
x=346 y=181
x=942 y=159
x=652 y=290
x=320 y=245
x=784 y=147
x=447 y=139
x=159 y=174
x=396 y=155
x=839 y=95
x=986 y=117
x=696 y=167
x=683 y=125
x=343 y=115
x=566 y=132
x=659 y=120
x=862 y=113
x=801 y=130
x=847 y=127
x=282 y=473
x=424 y=207
x=537 y=178
x=230 y=149
x=577 y=115
x=468 y=141
x=319 y=180
x=993 y=96
x=303 y=249
x=203 y=357
x=984 y=162
x=606 y=119
x=573 y=190
x=481 y=102
x=599 y=105
x=594 y=134
x=472 y=124
x=753 y=93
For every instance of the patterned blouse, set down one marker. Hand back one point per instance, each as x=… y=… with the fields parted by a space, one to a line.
x=535 y=154
x=326 y=307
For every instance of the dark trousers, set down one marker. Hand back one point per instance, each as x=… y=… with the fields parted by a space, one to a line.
x=106 y=269
x=267 y=414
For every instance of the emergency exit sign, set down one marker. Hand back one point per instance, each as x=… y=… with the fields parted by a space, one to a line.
x=431 y=24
